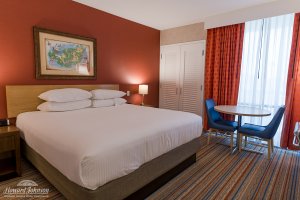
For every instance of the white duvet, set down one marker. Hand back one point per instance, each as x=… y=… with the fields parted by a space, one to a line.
x=93 y=146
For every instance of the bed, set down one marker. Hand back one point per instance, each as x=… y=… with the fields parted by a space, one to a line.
x=117 y=152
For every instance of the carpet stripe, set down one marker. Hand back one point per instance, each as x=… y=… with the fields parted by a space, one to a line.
x=295 y=177
x=210 y=176
x=277 y=176
x=259 y=173
x=286 y=186
x=250 y=169
x=228 y=171
x=237 y=177
x=207 y=164
x=203 y=151
x=271 y=180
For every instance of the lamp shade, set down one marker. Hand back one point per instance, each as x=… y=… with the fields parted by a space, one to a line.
x=143 y=89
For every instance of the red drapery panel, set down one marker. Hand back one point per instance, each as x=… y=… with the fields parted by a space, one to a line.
x=292 y=101
x=223 y=64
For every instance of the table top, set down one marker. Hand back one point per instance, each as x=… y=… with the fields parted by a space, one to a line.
x=7 y=130
x=242 y=111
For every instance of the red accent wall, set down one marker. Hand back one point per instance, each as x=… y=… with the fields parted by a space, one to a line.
x=127 y=52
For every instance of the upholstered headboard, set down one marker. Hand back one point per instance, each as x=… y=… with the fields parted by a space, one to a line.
x=24 y=98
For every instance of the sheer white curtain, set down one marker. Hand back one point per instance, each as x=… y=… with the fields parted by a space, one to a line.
x=266 y=52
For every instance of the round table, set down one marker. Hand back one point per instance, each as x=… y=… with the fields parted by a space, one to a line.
x=241 y=111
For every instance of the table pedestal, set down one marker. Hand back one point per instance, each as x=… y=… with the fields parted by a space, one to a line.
x=236 y=148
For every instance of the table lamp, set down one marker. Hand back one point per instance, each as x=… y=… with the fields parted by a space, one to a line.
x=143 y=89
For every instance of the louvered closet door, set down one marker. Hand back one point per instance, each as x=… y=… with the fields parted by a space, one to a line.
x=169 y=77
x=192 y=75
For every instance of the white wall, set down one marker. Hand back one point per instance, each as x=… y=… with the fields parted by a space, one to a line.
x=275 y=8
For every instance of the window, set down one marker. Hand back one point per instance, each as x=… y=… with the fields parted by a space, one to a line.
x=266 y=52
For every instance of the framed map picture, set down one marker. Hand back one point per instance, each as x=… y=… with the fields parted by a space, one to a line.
x=64 y=56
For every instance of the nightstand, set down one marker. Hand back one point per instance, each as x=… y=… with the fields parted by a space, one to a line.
x=10 y=159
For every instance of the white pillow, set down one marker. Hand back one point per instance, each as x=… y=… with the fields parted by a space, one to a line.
x=64 y=106
x=103 y=103
x=65 y=95
x=107 y=94
x=120 y=101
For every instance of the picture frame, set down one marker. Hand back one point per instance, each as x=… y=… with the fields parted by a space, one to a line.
x=60 y=55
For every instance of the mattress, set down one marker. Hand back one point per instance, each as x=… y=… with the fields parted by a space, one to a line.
x=93 y=146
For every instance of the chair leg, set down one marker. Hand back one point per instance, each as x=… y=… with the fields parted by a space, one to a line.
x=272 y=145
x=240 y=142
x=231 y=141
x=208 y=136
x=245 y=141
x=269 y=149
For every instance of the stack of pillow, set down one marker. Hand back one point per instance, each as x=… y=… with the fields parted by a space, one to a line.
x=73 y=99
x=103 y=98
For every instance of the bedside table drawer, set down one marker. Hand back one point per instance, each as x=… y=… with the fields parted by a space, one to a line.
x=7 y=143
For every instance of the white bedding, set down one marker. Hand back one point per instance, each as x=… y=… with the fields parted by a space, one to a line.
x=93 y=146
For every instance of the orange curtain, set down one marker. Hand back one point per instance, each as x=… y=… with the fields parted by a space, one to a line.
x=292 y=113
x=223 y=64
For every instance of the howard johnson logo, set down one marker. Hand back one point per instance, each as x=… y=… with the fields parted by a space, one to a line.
x=27 y=189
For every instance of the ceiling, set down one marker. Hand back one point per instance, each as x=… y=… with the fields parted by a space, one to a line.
x=165 y=14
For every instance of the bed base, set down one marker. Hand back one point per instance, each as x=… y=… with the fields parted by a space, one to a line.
x=136 y=185
x=162 y=180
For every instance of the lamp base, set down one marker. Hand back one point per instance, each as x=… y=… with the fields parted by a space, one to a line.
x=142 y=100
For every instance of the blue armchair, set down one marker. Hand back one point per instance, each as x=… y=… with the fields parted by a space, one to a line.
x=263 y=132
x=217 y=124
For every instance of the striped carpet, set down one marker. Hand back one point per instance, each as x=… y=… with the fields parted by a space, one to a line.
x=216 y=175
